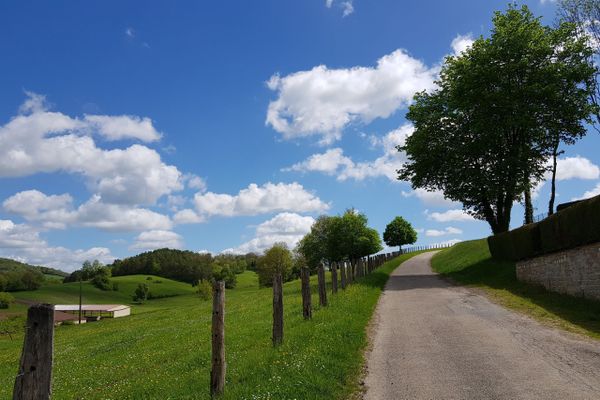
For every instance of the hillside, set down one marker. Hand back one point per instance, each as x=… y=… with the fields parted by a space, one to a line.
x=69 y=292
x=6 y=265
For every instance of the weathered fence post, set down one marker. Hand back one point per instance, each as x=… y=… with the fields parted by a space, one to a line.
x=334 y=281
x=343 y=274
x=34 y=380
x=322 y=286
x=217 y=372
x=306 y=297
x=277 y=309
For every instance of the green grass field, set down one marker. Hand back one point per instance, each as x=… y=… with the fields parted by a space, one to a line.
x=162 y=351
x=470 y=263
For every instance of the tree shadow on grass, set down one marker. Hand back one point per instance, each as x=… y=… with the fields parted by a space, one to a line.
x=500 y=275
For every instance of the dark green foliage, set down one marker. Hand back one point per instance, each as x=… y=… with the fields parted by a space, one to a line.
x=337 y=238
x=141 y=293
x=101 y=279
x=277 y=259
x=6 y=299
x=204 y=290
x=575 y=226
x=225 y=274
x=16 y=276
x=485 y=134
x=185 y=266
x=399 y=232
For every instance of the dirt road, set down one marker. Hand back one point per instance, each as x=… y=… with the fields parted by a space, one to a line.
x=434 y=340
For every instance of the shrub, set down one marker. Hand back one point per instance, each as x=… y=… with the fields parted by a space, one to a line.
x=115 y=286
x=149 y=278
x=6 y=299
x=141 y=293
x=204 y=290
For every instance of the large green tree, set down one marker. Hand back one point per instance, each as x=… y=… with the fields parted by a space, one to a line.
x=277 y=259
x=485 y=134
x=399 y=232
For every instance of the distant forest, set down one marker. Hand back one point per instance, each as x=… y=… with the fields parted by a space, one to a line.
x=15 y=275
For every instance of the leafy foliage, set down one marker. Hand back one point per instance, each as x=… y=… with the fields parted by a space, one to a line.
x=141 y=293
x=277 y=259
x=16 y=276
x=484 y=136
x=204 y=290
x=399 y=232
x=6 y=299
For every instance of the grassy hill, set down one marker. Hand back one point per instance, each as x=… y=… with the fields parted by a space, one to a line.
x=6 y=265
x=163 y=350
x=470 y=263
x=68 y=293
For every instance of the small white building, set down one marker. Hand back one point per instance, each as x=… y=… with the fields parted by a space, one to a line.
x=96 y=310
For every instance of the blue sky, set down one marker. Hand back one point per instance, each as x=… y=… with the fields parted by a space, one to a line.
x=128 y=126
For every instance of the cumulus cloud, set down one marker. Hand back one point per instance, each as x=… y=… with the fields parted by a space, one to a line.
x=443 y=232
x=22 y=242
x=455 y=215
x=157 y=239
x=347 y=8
x=333 y=161
x=576 y=168
x=124 y=127
x=57 y=211
x=590 y=193
x=195 y=182
x=323 y=101
x=255 y=200
x=461 y=43
x=45 y=142
x=288 y=228
x=187 y=216
x=431 y=198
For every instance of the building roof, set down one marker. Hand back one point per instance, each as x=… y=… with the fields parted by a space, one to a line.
x=91 y=307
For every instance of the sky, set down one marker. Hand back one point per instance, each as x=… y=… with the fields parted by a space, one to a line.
x=225 y=126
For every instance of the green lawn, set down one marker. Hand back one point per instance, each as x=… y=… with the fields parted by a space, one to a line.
x=470 y=263
x=164 y=353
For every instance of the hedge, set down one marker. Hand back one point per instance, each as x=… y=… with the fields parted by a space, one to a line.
x=577 y=225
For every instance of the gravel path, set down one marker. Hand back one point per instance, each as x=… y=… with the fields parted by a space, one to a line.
x=434 y=340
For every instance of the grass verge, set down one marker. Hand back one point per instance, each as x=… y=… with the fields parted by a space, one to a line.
x=164 y=353
x=471 y=264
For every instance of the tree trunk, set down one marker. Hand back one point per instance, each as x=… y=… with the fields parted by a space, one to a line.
x=306 y=296
x=277 y=309
x=553 y=188
x=322 y=286
x=528 y=206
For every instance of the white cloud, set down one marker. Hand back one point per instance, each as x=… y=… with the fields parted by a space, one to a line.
x=461 y=43
x=334 y=162
x=157 y=239
x=130 y=32
x=22 y=242
x=576 y=168
x=57 y=211
x=347 y=8
x=45 y=142
x=328 y=3
x=195 y=182
x=288 y=228
x=590 y=193
x=187 y=216
x=434 y=198
x=124 y=127
x=446 y=231
x=324 y=101
x=449 y=216
x=255 y=200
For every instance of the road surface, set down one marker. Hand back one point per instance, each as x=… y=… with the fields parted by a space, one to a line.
x=434 y=340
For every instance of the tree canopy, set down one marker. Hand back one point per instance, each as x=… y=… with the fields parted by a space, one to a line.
x=337 y=238
x=277 y=259
x=484 y=135
x=399 y=232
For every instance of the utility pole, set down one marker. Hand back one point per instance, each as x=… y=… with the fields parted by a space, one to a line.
x=79 y=299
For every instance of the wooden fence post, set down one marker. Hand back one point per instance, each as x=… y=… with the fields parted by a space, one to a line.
x=343 y=274
x=277 y=309
x=306 y=296
x=217 y=372
x=334 y=281
x=34 y=380
x=322 y=286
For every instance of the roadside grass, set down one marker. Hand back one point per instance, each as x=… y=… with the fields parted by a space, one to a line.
x=470 y=263
x=164 y=353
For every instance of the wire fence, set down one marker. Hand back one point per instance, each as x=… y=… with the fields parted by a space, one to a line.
x=422 y=248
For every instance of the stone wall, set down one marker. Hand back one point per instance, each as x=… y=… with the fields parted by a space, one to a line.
x=575 y=272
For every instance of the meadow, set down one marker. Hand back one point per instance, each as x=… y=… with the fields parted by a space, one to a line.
x=162 y=351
